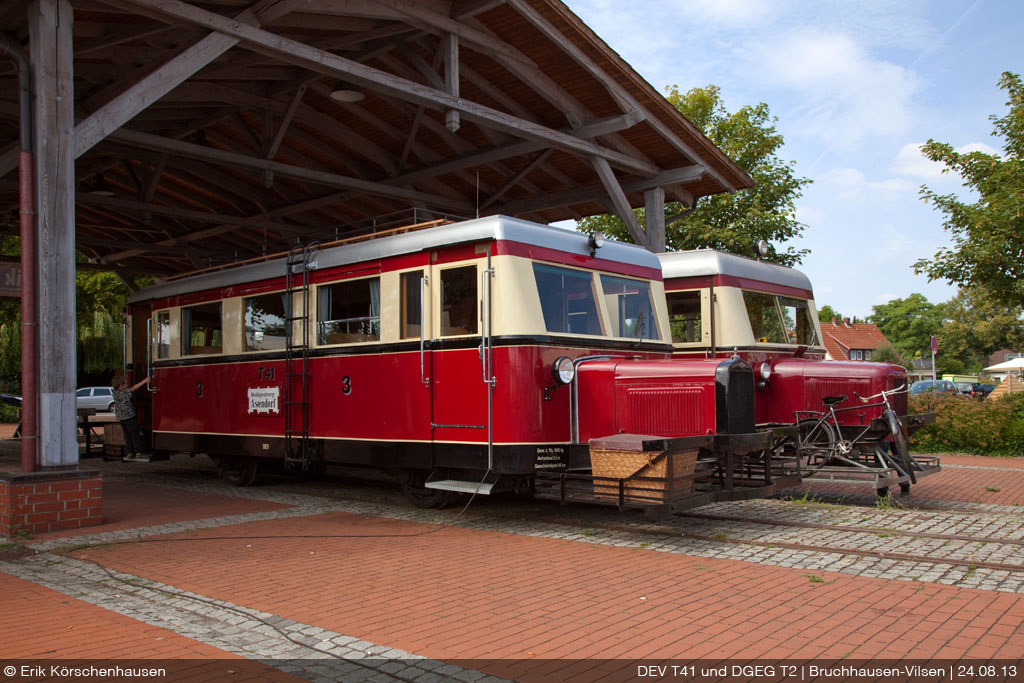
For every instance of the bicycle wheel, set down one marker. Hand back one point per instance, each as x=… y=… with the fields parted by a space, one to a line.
x=817 y=442
x=899 y=443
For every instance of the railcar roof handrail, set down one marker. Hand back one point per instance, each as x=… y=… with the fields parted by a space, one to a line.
x=334 y=243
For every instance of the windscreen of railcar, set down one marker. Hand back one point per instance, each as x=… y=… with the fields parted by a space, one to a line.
x=567 y=300
x=630 y=308
x=778 y=319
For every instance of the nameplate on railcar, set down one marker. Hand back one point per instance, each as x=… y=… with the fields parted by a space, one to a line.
x=264 y=399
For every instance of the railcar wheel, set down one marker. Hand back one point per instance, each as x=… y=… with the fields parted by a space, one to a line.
x=412 y=483
x=316 y=470
x=240 y=471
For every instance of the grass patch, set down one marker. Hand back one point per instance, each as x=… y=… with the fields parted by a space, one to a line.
x=887 y=502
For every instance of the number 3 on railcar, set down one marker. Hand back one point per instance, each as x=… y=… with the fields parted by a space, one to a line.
x=465 y=357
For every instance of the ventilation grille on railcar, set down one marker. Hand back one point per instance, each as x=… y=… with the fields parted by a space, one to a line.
x=665 y=412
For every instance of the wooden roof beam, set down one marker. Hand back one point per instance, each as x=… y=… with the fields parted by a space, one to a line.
x=294 y=52
x=618 y=198
x=157 y=83
x=619 y=93
x=187 y=149
x=598 y=192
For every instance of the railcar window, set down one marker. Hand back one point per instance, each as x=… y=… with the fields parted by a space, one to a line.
x=411 y=302
x=350 y=312
x=203 y=331
x=629 y=307
x=779 y=319
x=163 y=334
x=684 y=316
x=458 y=301
x=567 y=300
x=799 y=310
x=265 y=322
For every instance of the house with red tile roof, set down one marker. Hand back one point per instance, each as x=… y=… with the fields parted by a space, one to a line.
x=851 y=341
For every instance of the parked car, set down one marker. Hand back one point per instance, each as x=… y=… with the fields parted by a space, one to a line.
x=933 y=386
x=965 y=388
x=99 y=398
x=974 y=389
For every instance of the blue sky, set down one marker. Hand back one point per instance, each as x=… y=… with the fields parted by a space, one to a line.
x=856 y=85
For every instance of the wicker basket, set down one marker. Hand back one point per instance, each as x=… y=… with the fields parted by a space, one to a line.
x=624 y=455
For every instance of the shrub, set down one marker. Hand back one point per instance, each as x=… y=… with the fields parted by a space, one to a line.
x=9 y=414
x=963 y=425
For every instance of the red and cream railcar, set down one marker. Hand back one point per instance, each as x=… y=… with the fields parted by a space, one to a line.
x=720 y=304
x=494 y=346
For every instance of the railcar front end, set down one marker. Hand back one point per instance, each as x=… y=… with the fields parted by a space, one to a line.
x=721 y=304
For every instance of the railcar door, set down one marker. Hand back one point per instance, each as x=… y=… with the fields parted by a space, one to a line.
x=461 y=361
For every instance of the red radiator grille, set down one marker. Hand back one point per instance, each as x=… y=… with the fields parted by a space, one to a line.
x=665 y=412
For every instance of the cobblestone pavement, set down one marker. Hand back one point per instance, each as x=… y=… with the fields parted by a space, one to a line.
x=959 y=539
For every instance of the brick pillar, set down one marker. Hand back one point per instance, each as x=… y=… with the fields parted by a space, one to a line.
x=38 y=502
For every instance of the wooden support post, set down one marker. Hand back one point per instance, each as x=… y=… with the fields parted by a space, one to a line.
x=654 y=203
x=450 y=48
x=53 y=108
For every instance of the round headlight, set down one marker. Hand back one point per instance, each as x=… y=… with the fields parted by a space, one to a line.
x=766 y=371
x=563 y=370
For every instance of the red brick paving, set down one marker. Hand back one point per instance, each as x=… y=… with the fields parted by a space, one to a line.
x=468 y=594
x=962 y=483
x=474 y=594
x=132 y=505
x=37 y=622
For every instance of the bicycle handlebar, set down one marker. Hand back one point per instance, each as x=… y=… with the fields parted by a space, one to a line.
x=864 y=399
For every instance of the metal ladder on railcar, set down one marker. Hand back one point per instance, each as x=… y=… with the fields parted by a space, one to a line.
x=299 y=263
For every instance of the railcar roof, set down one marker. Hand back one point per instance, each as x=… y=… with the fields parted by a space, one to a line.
x=704 y=262
x=501 y=228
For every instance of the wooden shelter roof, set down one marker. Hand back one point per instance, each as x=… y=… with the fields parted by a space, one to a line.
x=207 y=132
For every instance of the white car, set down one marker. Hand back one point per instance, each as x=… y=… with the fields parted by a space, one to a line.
x=99 y=398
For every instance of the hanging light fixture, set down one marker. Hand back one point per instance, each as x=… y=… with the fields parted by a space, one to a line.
x=100 y=188
x=346 y=92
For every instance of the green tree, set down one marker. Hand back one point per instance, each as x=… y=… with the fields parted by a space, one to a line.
x=827 y=314
x=886 y=353
x=978 y=323
x=731 y=222
x=908 y=323
x=987 y=235
x=101 y=298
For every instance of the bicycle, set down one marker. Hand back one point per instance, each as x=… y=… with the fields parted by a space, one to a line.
x=822 y=441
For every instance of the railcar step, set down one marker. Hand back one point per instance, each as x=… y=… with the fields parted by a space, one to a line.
x=461 y=486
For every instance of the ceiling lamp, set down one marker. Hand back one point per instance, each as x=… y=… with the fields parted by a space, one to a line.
x=100 y=188
x=343 y=92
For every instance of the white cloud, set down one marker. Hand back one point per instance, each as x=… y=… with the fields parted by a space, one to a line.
x=911 y=162
x=850 y=182
x=847 y=94
x=886 y=297
x=844 y=177
x=726 y=12
x=809 y=215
